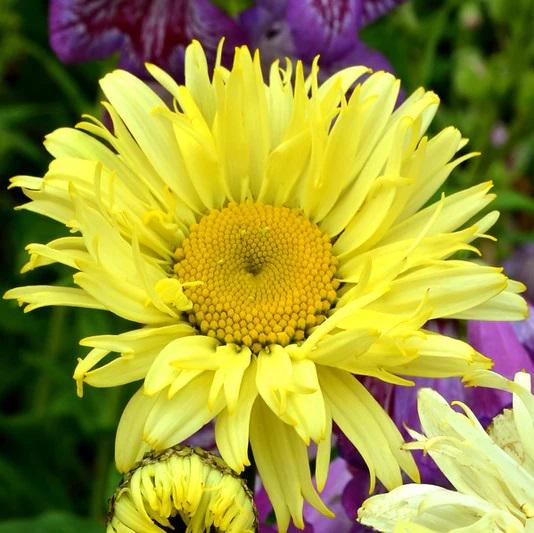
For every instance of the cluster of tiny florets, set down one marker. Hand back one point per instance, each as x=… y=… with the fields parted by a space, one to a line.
x=267 y=275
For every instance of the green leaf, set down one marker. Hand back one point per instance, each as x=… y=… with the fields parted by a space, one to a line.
x=525 y=94
x=509 y=200
x=51 y=522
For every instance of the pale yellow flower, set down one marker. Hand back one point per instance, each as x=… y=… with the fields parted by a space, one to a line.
x=271 y=241
x=493 y=472
x=182 y=489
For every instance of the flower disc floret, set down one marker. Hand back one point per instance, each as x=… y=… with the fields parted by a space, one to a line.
x=267 y=275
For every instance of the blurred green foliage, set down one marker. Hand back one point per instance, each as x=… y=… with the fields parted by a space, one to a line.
x=56 y=451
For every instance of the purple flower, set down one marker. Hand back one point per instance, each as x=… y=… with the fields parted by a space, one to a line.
x=305 y=28
x=511 y=350
x=140 y=30
x=157 y=31
x=203 y=438
x=520 y=265
x=524 y=331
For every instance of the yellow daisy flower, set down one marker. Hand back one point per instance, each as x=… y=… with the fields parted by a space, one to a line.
x=271 y=240
x=183 y=489
x=493 y=472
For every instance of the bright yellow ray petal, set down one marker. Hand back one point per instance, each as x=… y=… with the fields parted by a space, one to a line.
x=138 y=349
x=232 y=428
x=66 y=250
x=282 y=463
x=170 y=421
x=118 y=296
x=324 y=449
x=507 y=305
x=367 y=426
x=187 y=353
x=447 y=287
x=232 y=364
x=36 y=296
x=458 y=208
x=129 y=444
x=69 y=142
x=135 y=102
x=438 y=356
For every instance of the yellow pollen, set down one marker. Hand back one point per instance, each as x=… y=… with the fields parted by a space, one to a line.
x=267 y=275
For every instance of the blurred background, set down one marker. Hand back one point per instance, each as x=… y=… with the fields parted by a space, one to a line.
x=56 y=450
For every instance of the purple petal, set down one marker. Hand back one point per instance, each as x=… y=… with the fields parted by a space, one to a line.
x=305 y=28
x=354 y=495
x=263 y=19
x=207 y=23
x=356 y=491
x=266 y=28
x=373 y=9
x=265 y=508
x=308 y=528
x=348 y=452
x=314 y=521
x=429 y=471
x=404 y=412
x=359 y=54
x=525 y=331
x=338 y=477
x=142 y=30
x=326 y=27
x=268 y=528
x=443 y=326
x=83 y=29
x=499 y=341
x=520 y=265
x=203 y=438
x=264 y=528
x=262 y=502
x=384 y=394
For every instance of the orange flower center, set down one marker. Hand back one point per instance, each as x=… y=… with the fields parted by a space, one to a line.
x=267 y=275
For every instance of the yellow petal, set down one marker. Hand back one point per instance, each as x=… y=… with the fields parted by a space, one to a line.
x=36 y=296
x=194 y=352
x=170 y=421
x=135 y=101
x=282 y=463
x=232 y=428
x=368 y=427
x=129 y=444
